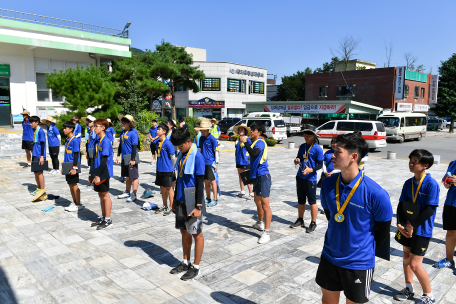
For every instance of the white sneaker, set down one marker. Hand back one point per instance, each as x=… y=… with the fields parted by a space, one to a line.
x=29 y=164
x=265 y=238
x=54 y=172
x=73 y=207
x=124 y=195
x=132 y=197
x=252 y=195
x=50 y=172
x=258 y=226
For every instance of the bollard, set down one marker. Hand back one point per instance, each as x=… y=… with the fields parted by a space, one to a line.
x=436 y=159
x=391 y=155
x=291 y=145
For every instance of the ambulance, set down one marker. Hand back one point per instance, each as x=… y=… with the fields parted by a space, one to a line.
x=275 y=126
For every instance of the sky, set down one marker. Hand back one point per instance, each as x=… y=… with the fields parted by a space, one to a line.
x=282 y=36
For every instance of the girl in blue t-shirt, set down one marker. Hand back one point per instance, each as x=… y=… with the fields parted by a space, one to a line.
x=53 y=136
x=242 y=160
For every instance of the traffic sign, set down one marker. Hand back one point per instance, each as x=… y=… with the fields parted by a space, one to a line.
x=168 y=97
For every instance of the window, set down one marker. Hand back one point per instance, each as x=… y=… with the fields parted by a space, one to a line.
x=364 y=126
x=390 y=122
x=236 y=85
x=266 y=123
x=406 y=90
x=256 y=87
x=180 y=89
x=323 y=91
x=42 y=87
x=380 y=127
x=415 y=121
x=346 y=91
x=210 y=84
x=345 y=126
x=279 y=123
x=327 y=126
x=422 y=92
x=417 y=92
x=71 y=65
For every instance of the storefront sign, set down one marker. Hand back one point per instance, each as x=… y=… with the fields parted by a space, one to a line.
x=236 y=85
x=400 y=77
x=206 y=103
x=420 y=108
x=256 y=87
x=5 y=70
x=156 y=106
x=245 y=72
x=307 y=109
x=404 y=107
x=434 y=89
x=211 y=84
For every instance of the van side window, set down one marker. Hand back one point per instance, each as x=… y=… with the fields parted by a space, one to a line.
x=266 y=123
x=327 y=126
x=345 y=126
x=279 y=123
x=380 y=127
x=364 y=126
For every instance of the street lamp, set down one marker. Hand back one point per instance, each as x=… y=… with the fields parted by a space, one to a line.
x=125 y=28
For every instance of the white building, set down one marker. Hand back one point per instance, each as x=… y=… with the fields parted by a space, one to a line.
x=226 y=87
x=29 y=51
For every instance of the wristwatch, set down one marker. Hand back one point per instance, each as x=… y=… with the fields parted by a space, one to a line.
x=75 y=168
x=198 y=207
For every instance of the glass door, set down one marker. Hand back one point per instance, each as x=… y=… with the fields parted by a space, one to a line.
x=5 y=102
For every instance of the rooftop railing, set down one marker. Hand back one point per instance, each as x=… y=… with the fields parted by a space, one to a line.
x=32 y=18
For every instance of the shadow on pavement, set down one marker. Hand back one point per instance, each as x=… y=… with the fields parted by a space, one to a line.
x=157 y=253
x=7 y=295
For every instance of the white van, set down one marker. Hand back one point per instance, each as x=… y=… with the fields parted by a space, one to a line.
x=401 y=126
x=373 y=131
x=275 y=126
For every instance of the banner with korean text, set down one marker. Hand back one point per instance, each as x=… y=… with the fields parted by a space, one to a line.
x=307 y=109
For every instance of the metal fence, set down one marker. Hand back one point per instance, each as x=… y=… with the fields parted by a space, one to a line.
x=14 y=15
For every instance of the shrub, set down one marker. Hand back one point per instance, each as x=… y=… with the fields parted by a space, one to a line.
x=271 y=141
x=224 y=136
x=191 y=121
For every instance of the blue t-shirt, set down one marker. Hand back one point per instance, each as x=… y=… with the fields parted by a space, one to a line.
x=27 y=131
x=428 y=195
x=93 y=139
x=188 y=180
x=257 y=169
x=129 y=139
x=164 y=163
x=37 y=145
x=52 y=133
x=71 y=147
x=451 y=195
x=241 y=154
x=77 y=130
x=327 y=159
x=315 y=154
x=110 y=133
x=104 y=148
x=350 y=244
x=153 y=133
x=208 y=147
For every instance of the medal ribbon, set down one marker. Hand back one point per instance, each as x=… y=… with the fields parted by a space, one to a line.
x=160 y=144
x=185 y=160
x=339 y=209
x=123 y=137
x=98 y=146
x=415 y=194
x=66 y=147
x=306 y=152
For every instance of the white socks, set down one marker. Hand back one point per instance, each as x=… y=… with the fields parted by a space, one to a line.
x=187 y=262
x=409 y=287
x=196 y=266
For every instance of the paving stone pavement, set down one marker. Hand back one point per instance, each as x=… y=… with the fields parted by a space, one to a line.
x=56 y=257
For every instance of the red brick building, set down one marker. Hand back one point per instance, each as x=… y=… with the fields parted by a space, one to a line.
x=376 y=87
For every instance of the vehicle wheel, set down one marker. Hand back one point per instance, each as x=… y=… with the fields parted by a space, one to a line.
x=372 y=149
x=419 y=137
x=279 y=141
x=402 y=139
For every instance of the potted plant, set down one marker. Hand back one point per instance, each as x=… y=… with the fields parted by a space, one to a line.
x=271 y=141
x=224 y=137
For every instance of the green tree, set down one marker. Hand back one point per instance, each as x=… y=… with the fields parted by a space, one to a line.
x=446 y=105
x=328 y=67
x=293 y=88
x=132 y=97
x=176 y=68
x=88 y=90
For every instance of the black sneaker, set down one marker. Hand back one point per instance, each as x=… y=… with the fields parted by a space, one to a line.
x=191 y=273
x=179 y=268
x=161 y=209
x=104 y=225
x=97 y=223
x=322 y=211
x=312 y=227
x=299 y=223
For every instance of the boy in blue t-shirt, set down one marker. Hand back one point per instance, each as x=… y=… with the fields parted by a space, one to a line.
x=190 y=168
x=27 y=137
x=359 y=216
x=39 y=151
x=448 y=217
x=91 y=139
x=72 y=146
x=103 y=162
x=53 y=136
x=129 y=146
x=261 y=179
x=242 y=160
x=210 y=152
x=153 y=138
x=165 y=175
x=310 y=160
x=414 y=235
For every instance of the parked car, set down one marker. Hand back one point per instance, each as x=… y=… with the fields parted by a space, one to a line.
x=226 y=123
x=437 y=123
x=275 y=126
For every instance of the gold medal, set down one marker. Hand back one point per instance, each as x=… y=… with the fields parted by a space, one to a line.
x=306 y=160
x=339 y=217
x=181 y=174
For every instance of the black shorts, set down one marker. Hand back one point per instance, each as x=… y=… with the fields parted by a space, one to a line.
x=104 y=187
x=208 y=173
x=54 y=152
x=449 y=217
x=72 y=179
x=245 y=167
x=27 y=145
x=418 y=244
x=153 y=147
x=126 y=171
x=306 y=189
x=193 y=225
x=355 y=283
x=262 y=185
x=164 y=179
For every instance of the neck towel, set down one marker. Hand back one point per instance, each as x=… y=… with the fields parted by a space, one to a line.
x=37 y=131
x=190 y=164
